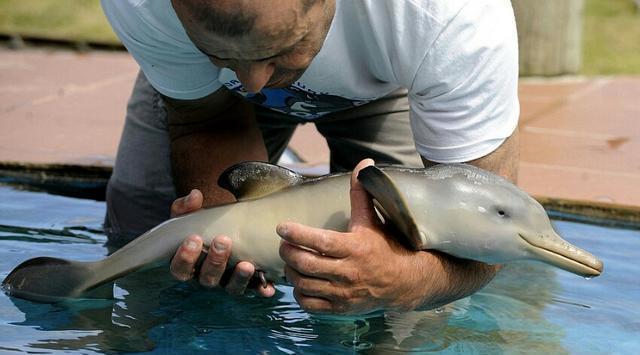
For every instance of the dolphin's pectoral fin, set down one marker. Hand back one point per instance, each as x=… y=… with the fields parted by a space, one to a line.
x=392 y=205
x=250 y=180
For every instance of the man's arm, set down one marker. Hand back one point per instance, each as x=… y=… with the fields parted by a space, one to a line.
x=502 y=161
x=365 y=270
x=207 y=136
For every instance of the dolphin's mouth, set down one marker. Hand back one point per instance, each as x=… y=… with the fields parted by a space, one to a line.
x=556 y=251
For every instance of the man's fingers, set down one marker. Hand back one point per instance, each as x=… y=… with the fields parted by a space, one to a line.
x=310 y=263
x=362 y=210
x=309 y=286
x=191 y=202
x=265 y=291
x=240 y=278
x=313 y=304
x=186 y=257
x=215 y=263
x=325 y=242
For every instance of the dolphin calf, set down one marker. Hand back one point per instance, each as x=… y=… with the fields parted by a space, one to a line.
x=458 y=209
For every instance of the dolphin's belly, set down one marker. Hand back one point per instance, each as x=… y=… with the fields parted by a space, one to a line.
x=252 y=224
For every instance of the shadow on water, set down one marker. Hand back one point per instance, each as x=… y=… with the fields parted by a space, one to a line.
x=66 y=235
x=506 y=316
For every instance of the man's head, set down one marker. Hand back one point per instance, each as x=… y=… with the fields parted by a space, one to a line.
x=268 y=43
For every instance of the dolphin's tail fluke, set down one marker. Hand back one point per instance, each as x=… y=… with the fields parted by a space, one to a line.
x=46 y=279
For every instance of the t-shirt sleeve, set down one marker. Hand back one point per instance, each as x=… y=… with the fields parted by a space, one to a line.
x=464 y=97
x=153 y=35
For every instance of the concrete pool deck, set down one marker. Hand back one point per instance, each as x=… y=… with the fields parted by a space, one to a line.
x=580 y=136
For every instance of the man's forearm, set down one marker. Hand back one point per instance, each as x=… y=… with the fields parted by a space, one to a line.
x=201 y=153
x=207 y=136
x=503 y=161
x=451 y=278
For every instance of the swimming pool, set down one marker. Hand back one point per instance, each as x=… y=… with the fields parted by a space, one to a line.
x=529 y=307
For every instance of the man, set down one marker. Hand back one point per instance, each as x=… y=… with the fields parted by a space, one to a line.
x=227 y=81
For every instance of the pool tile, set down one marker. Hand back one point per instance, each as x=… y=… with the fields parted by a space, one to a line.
x=606 y=106
x=576 y=183
x=577 y=149
x=538 y=97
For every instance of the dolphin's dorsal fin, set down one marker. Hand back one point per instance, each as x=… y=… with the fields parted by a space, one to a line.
x=251 y=180
x=392 y=205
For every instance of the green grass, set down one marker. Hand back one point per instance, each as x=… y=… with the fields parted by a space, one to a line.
x=77 y=20
x=611 y=28
x=611 y=37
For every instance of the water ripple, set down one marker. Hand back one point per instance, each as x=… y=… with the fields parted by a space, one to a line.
x=66 y=235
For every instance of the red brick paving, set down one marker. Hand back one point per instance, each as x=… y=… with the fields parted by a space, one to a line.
x=580 y=137
x=62 y=106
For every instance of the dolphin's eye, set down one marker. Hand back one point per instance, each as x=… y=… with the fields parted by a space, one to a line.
x=502 y=213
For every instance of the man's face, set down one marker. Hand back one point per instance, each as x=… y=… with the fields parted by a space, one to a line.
x=276 y=52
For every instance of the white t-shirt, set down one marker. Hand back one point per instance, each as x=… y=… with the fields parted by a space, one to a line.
x=457 y=58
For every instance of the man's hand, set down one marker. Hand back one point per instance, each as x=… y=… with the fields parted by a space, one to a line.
x=365 y=270
x=183 y=264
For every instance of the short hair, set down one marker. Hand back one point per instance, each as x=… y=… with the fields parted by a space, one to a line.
x=227 y=22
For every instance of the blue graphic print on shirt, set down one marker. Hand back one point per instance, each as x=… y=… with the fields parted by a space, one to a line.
x=296 y=100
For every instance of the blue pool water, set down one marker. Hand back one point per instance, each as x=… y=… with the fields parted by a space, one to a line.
x=528 y=308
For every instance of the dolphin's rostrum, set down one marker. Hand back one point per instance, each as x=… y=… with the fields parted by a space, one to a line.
x=457 y=209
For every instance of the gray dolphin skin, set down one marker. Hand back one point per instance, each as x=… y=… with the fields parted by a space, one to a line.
x=458 y=209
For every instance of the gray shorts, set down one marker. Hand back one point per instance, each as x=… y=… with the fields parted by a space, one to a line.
x=141 y=190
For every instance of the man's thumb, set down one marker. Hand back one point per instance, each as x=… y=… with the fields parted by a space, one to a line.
x=362 y=210
x=183 y=205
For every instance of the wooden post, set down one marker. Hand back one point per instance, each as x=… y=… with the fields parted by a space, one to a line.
x=550 y=36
